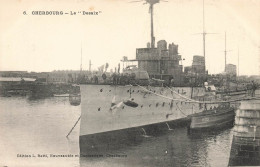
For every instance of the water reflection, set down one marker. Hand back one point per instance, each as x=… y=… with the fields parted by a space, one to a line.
x=174 y=148
x=40 y=126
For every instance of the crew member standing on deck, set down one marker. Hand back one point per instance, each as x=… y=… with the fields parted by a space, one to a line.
x=95 y=79
x=254 y=87
x=114 y=78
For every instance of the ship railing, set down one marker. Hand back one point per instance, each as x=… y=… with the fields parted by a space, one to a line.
x=188 y=100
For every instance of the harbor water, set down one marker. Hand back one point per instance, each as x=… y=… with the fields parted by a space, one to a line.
x=33 y=133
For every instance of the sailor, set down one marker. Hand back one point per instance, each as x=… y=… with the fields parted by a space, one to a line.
x=86 y=78
x=127 y=78
x=104 y=76
x=114 y=78
x=205 y=106
x=118 y=78
x=200 y=105
x=95 y=79
x=254 y=87
x=172 y=82
x=121 y=79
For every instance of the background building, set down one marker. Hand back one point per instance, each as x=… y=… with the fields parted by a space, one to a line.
x=231 y=69
x=198 y=64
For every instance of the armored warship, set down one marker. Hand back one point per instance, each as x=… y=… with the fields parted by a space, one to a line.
x=158 y=98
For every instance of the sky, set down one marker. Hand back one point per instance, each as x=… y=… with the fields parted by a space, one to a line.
x=53 y=42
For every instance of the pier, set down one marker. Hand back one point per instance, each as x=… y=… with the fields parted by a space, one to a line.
x=245 y=149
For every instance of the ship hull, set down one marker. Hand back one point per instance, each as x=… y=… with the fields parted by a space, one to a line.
x=212 y=120
x=114 y=140
x=112 y=110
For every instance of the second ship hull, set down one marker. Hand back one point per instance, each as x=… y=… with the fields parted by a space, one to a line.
x=213 y=119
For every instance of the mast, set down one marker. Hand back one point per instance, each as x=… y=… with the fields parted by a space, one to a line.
x=152 y=35
x=225 y=51
x=204 y=38
x=151 y=3
x=90 y=65
x=259 y=59
x=81 y=59
x=238 y=62
x=204 y=33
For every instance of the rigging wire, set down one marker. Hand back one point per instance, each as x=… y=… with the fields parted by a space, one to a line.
x=200 y=102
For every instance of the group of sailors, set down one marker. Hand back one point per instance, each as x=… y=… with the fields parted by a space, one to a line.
x=251 y=88
x=220 y=106
x=126 y=79
x=115 y=78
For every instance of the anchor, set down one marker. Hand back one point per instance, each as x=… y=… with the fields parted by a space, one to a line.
x=130 y=103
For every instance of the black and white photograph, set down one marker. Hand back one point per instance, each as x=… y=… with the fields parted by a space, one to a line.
x=129 y=83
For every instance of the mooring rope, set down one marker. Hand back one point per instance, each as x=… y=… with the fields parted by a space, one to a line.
x=180 y=110
x=200 y=102
x=73 y=126
x=169 y=98
x=180 y=95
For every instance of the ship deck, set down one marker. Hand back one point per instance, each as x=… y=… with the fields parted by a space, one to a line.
x=212 y=112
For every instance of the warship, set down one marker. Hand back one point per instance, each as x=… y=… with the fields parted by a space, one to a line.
x=158 y=96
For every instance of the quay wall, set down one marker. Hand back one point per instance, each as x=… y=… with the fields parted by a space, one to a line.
x=245 y=148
